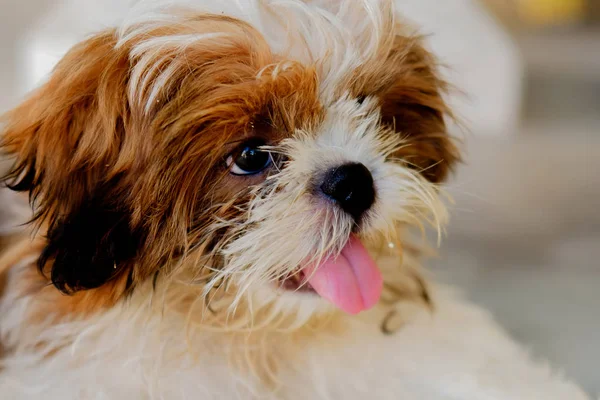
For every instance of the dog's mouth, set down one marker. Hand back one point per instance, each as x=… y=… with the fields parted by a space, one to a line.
x=350 y=280
x=297 y=283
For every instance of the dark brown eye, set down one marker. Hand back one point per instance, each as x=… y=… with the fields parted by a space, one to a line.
x=249 y=159
x=361 y=99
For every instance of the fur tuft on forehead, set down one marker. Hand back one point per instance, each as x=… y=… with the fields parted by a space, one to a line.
x=336 y=37
x=360 y=47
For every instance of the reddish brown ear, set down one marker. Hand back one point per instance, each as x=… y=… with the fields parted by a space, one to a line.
x=66 y=134
x=414 y=106
x=65 y=139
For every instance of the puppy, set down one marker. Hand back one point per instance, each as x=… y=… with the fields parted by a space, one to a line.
x=222 y=198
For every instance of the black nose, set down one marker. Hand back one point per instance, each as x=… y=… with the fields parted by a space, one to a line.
x=351 y=186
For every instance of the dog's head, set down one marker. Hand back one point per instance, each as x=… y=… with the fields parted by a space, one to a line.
x=260 y=147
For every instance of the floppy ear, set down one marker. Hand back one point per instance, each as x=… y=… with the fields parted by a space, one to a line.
x=65 y=140
x=414 y=106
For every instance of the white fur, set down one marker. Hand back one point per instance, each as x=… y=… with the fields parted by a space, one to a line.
x=136 y=352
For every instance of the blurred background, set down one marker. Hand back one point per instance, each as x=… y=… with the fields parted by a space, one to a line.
x=524 y=240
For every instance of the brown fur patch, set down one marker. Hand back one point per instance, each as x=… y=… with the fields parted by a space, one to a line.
x=404 y=77
x=87 y=154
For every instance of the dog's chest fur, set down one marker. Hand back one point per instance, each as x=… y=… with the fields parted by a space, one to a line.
x=138 y=351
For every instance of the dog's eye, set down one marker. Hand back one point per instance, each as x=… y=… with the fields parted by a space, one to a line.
x=249 y=160
x=361 y=99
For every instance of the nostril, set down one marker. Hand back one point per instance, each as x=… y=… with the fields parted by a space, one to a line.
x=351 y=187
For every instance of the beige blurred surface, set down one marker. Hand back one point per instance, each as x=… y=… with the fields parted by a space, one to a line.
x=525 y=243
x=524 y=240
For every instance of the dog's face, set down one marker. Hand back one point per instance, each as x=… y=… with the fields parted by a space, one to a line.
x=261 y=151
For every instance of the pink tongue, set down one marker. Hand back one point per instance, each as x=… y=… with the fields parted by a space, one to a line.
x=351 y=281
